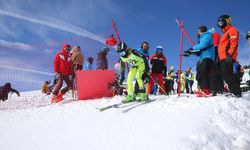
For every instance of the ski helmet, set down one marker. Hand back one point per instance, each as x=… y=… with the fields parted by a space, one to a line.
x=122 y=49
x=172 y=68
x=159 y=48
x=223 y=21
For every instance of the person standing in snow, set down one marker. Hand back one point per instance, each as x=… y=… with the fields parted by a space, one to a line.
x=190 y=78
x=143 y=50
x=246 y=74
x=120 y=68
x=102 y=61
x=182 y=81
x=158 y=70
x=171 y=77
x=135 y=59
x=77 y=58
x=46 y=88
x=205 y=50
x=4 y=91
x=63 y=71
x=217 y=83
x=228 y=53
x=88 y=64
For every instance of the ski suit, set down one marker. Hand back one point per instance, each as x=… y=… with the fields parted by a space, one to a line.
x=158 y=63
x=136 y=71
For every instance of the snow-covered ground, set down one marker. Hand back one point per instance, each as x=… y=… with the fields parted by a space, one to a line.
x=169 y=123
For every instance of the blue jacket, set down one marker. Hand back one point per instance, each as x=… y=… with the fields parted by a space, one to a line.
x=87 y=66
x=205 y=46
x=146 y=54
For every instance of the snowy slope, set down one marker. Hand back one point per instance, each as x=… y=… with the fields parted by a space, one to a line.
x=167 y=124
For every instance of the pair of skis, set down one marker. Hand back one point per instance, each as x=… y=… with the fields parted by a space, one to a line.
x=134 y=104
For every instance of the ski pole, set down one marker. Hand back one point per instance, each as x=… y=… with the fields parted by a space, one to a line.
x=116 y=30
x=118 y=35
x=157 y=84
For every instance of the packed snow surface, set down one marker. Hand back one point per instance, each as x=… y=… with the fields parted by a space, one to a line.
x=169 y=123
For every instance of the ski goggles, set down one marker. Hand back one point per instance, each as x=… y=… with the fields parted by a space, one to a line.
x=123 y=53
x=159 y=50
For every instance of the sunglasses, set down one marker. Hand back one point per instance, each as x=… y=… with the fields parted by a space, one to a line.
x=67 y=49
x=221 y=23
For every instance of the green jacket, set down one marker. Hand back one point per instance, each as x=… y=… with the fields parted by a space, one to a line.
x=191 y=76
x=134 y=58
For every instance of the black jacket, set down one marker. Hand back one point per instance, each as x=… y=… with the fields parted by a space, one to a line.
x=158 y=63
x=4 y=91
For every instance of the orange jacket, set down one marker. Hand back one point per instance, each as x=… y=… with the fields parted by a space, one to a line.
x=229 y=43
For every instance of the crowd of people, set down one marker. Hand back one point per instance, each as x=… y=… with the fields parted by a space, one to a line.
x=66 y=63
x=217 y=66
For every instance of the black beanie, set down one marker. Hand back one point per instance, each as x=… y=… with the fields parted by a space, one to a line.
x=203 y=29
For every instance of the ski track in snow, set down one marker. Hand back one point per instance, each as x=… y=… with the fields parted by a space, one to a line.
x=174 y=123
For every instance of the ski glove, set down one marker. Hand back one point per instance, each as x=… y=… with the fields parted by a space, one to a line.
x=186 y=54
x=229 y=58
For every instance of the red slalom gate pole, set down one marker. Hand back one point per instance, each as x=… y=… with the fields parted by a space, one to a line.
x=184 y=31
x=116 y=31
x=118 y=36
x=180 y=66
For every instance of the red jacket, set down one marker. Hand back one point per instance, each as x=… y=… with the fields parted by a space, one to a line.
x=229 y=42
x=216 y=38
x=63 y=63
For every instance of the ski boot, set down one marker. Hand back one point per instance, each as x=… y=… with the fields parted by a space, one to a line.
x=128 y=99
x=57 y=98
x=142 y=97
x=60 y=97
x=204 y=93
x=54 y=99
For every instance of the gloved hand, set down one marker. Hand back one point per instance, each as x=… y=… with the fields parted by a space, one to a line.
x=197 y=52
x=186 y=54
x=146 y=80
x=189 y=50
x=229 y=58
x=18 y=94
